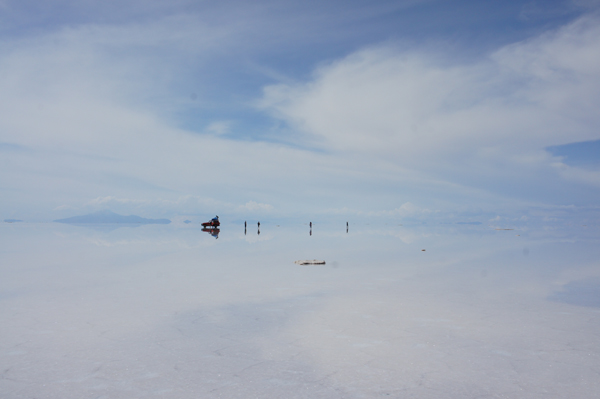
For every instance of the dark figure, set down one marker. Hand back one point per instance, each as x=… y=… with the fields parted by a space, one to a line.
x=310 y=232
x=346 y=227
x=212 y=231
x=259 y=225
x=244 y=225
x=310 y=225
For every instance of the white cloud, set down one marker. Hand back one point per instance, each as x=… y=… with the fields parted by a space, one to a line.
x=219 y=128
x=110 y=199
x=590 y=177
x=253 y=206
x=479 y=124
x=92 y=107
x=406 y=209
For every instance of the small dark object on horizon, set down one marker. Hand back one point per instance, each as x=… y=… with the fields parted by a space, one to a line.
x=309 y=262
x=212 y=223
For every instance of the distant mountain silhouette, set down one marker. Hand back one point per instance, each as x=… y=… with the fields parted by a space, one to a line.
x=111 y=217
x=12 y=220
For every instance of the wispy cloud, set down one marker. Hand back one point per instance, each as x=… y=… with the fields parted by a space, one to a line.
x=405 y=210
x=482 y=124
x=253 y=206
x=92 y=112
x=219 y=128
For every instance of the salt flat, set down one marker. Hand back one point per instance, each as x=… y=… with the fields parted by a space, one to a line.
x=171 y=312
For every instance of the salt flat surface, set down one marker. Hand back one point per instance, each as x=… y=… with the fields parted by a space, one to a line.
x=171 y=312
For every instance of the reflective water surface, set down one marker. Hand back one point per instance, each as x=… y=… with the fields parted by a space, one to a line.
x=168 y=311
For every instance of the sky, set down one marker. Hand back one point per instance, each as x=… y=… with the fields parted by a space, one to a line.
x=456 y=110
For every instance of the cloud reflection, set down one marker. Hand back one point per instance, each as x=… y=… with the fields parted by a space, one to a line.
x=580 y=293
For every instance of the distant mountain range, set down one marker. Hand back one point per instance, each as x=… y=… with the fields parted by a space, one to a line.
x=111 y=217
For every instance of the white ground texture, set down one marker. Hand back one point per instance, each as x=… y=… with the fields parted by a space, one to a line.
x=171 y=312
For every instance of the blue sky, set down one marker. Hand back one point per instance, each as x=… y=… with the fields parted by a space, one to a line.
x=273 y=109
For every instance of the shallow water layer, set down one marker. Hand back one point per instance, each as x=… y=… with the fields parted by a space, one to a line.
x=454 y=311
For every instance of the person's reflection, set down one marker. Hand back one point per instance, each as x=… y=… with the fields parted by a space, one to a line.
x=213 y=232
x=310 y=233
x=346 y=227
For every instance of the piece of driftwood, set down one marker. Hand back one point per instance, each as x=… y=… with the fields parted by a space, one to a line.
x=310 y=262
